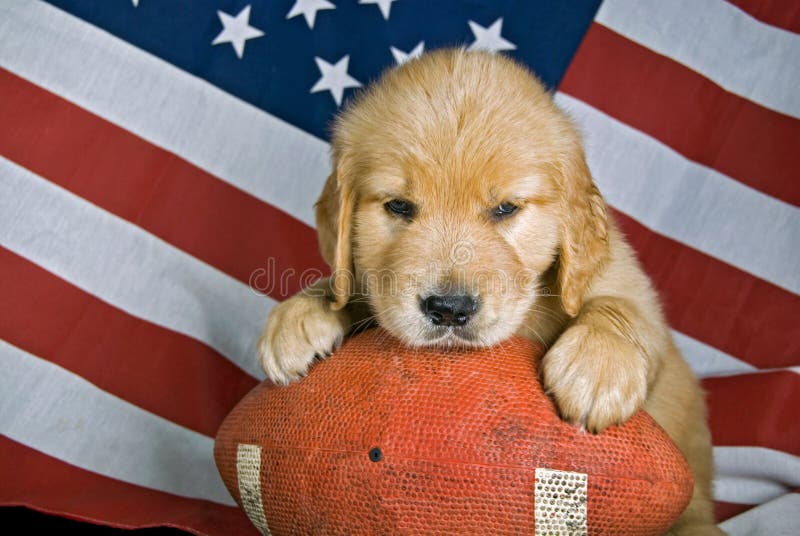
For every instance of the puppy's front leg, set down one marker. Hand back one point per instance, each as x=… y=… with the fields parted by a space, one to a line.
x=300 y=329
x=599 y=369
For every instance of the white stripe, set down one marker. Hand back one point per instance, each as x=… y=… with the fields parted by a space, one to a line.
x=690 y=203
x=758 y=462
x=52 y=410
x=778 y=517
x=746 y=490
x=795 y=370
x=753 y=475
x=210 y=128
x=248 y=473
x=707 y=361
x=127 y=267
x=743 y=55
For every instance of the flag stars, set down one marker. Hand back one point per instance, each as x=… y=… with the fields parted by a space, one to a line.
x=334 y=78
x=236 y=30
x=384 y=5
x=401 y=57
x=489 y=38
x=308 y=9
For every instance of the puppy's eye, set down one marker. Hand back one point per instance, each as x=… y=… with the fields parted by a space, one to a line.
x=504 y=210
x=402 y=208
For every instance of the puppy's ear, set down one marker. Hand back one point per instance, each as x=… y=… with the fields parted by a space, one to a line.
x=584 y=239
x=334 y=212
x=327 y=213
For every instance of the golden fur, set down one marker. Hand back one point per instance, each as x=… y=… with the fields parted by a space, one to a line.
x=457 y=133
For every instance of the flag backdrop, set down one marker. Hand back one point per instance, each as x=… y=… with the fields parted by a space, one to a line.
x=158 y=165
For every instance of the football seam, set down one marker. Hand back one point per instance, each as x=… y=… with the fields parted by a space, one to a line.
x=468 y=463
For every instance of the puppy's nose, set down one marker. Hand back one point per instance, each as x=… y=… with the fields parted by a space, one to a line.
x=450 y=309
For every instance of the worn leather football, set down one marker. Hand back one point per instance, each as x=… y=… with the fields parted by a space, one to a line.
x=385 y=439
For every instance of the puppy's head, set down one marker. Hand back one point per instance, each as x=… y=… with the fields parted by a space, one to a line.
x=457 y=184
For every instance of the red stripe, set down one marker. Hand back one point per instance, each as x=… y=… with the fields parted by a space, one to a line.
x=151 y=187
x=781 y=13
x=161 y=371
x=688 y=112
x=719 y=304
x=758 y=410
x=726 y=510
x=47 y=484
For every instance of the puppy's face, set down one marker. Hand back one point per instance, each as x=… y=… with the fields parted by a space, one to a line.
x=450 y=252
x=450 y=198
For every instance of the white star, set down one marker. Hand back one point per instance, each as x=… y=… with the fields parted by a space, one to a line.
x=334 y=78
x=309 y=8
x=384 y=5
x=135 y=3
x=236 y=30
x=401 y=57
x=489 y=38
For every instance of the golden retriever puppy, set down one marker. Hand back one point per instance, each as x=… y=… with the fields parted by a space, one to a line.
x=461 y=211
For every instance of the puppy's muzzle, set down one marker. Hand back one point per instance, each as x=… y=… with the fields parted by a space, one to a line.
x=449 y=309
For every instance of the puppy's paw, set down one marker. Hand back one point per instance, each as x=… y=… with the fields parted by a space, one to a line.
x=297 y=331
x=596 y=377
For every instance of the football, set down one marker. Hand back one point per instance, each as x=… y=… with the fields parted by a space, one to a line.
x=385 y=439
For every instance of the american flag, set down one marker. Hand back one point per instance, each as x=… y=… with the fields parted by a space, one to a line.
x=158 y=165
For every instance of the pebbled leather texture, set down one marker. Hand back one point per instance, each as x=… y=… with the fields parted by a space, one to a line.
x=385 y=439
